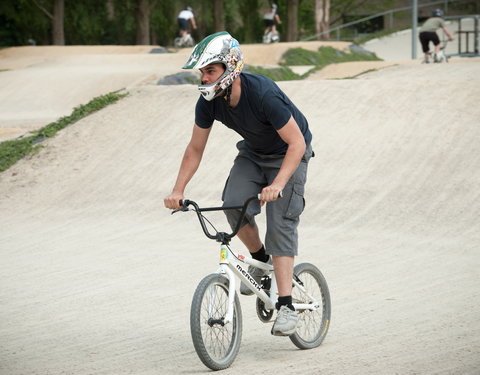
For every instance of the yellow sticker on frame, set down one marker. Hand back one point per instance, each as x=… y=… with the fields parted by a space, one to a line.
x=223 y=255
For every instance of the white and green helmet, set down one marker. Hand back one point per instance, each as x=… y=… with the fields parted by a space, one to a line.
x=218 y=48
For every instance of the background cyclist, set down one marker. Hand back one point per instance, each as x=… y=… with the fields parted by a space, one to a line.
x=428 y=33
x=271 y=19
x=185 y=17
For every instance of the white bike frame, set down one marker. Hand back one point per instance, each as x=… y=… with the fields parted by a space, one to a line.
x=233 y=264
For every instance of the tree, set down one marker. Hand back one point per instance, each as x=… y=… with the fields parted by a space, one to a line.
x=58 y=34
x=110 y=8
x=250 y=30
x=292 y=20
x=322 y=18
x=142 y=16
x=218 y=11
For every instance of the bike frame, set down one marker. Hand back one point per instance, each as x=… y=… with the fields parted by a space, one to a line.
x=234 y=265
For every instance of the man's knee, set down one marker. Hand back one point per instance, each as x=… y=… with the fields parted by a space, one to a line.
x=233 y=217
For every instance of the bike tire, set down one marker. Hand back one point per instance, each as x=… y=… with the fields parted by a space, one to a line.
x=190 y=42
x=313 y=325
x=217 y=346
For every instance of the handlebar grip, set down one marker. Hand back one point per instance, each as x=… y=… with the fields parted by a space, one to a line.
x=185 y=203
x=184 y=206
x=280 y=195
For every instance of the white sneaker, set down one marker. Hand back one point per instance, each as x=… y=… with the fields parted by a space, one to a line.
x=438 y=57
x=286 y=322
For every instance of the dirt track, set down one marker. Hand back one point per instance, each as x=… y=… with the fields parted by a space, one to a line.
x=97 y=278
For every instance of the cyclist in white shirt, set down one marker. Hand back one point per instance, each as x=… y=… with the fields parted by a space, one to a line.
x=183 y=19
x=271 y=19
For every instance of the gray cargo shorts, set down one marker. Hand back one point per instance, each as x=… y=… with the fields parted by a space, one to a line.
x=250 y=173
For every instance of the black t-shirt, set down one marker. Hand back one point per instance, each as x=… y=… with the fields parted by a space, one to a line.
x=262 y=110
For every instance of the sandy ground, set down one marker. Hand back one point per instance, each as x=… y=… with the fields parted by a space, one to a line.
x=97 y=278
x=76 y=74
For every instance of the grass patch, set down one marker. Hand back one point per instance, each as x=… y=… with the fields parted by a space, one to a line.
x=324 y=56
x=14 y=150
x=277 y=74
x=318 y=59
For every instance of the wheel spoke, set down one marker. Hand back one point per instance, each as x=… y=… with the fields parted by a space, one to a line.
x=216 y=343
x=313 y=324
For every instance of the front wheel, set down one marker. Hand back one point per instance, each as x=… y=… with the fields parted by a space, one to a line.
x=177 y=42
x=313 y=325
x=215 y=342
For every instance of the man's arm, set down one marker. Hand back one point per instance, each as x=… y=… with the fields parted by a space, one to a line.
x=190 y=162
x=293 y=137
x=445 y=30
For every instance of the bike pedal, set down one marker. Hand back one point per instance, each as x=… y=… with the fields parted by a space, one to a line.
x=281 y=334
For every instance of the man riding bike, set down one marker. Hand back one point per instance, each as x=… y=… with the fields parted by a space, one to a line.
x=272 y=159
x=185 y=17
x=428 y=33
x=271 y=19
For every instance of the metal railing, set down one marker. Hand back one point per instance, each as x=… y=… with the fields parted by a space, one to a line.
x=337 y=30
x=464 y=50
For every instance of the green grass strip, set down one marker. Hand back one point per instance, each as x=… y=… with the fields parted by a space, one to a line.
x=318 y=59
x=13 y=150
x=277 y=74
x=323 y=57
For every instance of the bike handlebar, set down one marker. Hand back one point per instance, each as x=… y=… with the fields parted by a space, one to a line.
x=219 y=236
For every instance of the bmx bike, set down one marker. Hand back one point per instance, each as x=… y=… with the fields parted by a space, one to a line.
x=271 y=37
x=439 y=57
x=184 y=42
x=216 y=315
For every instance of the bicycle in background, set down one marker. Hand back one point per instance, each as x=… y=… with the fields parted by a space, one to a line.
x=439 y=57
x=216 y=315
x=271 y=37
x=184 y=42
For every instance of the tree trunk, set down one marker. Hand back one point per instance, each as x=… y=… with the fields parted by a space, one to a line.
x=248 y=19
x=322 y=18
x=110 y=6
x=218 y=14
x=292 y=26
x=143 y=22
x=58 y=35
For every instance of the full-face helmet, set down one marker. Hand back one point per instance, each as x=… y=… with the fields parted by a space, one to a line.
x=437 y=13
x=218 y=48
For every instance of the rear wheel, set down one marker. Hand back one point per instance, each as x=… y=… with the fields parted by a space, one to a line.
x=313 y=325
x=215 y=342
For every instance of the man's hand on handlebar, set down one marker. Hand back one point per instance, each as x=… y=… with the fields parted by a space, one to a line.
x=270 y=193
x=173 y=201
